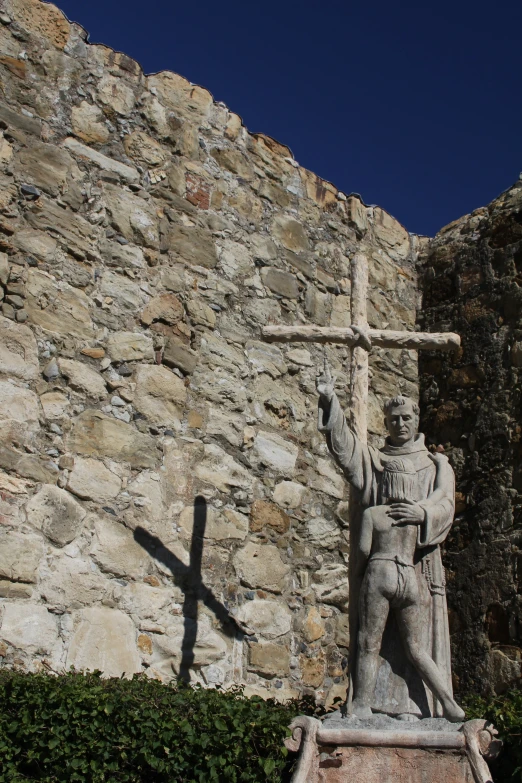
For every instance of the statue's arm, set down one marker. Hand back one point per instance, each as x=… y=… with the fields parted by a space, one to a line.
x=439 y=506
x=365 y=542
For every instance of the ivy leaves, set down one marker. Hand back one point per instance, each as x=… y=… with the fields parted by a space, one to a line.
x=79 y=728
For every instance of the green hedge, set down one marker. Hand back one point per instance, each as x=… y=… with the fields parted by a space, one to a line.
x=81 y=728
x=505 y=713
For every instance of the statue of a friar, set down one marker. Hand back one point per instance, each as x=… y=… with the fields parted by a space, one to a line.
x=406 y=497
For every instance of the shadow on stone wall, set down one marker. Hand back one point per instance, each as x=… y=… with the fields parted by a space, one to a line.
x=190 y=580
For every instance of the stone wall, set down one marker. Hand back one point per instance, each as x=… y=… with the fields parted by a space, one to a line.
x=472 y=276
x=166 y=502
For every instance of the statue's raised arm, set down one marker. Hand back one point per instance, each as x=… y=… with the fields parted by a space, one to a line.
x=352 y=456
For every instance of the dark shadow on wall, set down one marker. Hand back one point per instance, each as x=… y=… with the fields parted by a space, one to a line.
x=190 y=580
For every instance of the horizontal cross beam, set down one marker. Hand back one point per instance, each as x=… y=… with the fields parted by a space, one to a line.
x=384 y=338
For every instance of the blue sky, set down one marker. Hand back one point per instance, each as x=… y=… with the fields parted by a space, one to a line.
x=416 y=106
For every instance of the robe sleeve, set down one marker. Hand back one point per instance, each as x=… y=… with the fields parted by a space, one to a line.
x=439 y=507
x=355 y=458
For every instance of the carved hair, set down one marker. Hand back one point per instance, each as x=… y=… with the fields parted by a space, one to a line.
x=399 y=480
x=397 y=402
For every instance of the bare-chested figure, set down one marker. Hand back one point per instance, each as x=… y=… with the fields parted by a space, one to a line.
x=387 y=549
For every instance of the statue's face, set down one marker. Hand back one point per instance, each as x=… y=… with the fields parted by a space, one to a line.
x=402 y=423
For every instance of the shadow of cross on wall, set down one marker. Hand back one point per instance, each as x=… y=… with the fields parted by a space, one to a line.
x=190 y=580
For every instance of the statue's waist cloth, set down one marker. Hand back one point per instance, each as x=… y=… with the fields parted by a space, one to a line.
x=399 y=687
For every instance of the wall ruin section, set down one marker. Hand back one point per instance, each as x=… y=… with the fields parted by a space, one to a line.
x=162 y=479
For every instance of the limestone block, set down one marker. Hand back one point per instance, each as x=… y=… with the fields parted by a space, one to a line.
x=124 y=256
x=18 y=351
x=313 y=625
x=262 y=247
x=266 y=514
x=275 y=452
x=148 y=488
x=323 y=533
x=177 y=354
x=168 y=647
x=234 y=259
x=102 y=161
x=357 y=214
x=233 y=160
x=45 y=20
x=226 y=425
x=104 y=639
x=83 y=378
x=312 y=669
x=262 y=311
x=132 y=216
x=126 y=294
x=289 y=494
x=281 y=283
x=269 y=619
x=160 y=395
x=341 y=315
x=145 y=600
x=71 y=582
x=141 y=147
x=55 y=405
x=220 y=525
x=75 y=233
x=57 y=306
x=317 y=305
x=20 y=555
x=88 y=123
x=266 y=358
x=327 y=479
x=53 y=511
x=200 y=313
x=91 y=480
x=300 y=356
x=37 y=244
x=29 y=627
x=37 y=467
x=181 y=96
x=130 y=347
x=223 y=389
x=217 y=352
x=221 y=470
x=14 y=590
x=269 y=659
x=193 y=245
x=166 y=308
x=19 y=413
x=330 y=585
x=115 y=550
x=391 y=235
x=260 y=565
x=113 y=92
x=290 y=233
x=45 y=166
x=96 y=435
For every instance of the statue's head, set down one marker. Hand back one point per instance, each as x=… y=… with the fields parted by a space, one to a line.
x=401 y=417
x=399 y=480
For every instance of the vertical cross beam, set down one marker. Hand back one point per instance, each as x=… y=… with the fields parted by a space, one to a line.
x=359 y=359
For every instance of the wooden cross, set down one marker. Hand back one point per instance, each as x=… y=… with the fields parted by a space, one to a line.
x=443 y=341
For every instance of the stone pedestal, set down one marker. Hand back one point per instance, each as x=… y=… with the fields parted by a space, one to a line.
x=385 y=750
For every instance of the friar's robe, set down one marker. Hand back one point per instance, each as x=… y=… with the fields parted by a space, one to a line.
x=399 y=688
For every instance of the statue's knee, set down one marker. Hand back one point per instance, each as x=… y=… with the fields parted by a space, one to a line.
x=414 y=653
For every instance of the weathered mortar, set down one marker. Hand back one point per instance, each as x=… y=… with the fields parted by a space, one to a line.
x=145 y=238
x=471 y=402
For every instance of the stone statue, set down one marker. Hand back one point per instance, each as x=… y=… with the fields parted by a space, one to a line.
x=406 y=497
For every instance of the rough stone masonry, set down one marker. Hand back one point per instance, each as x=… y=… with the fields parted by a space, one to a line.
x=153 y=450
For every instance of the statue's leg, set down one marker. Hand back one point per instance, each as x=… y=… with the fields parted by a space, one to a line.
x=373 y=613
x=409 y=621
